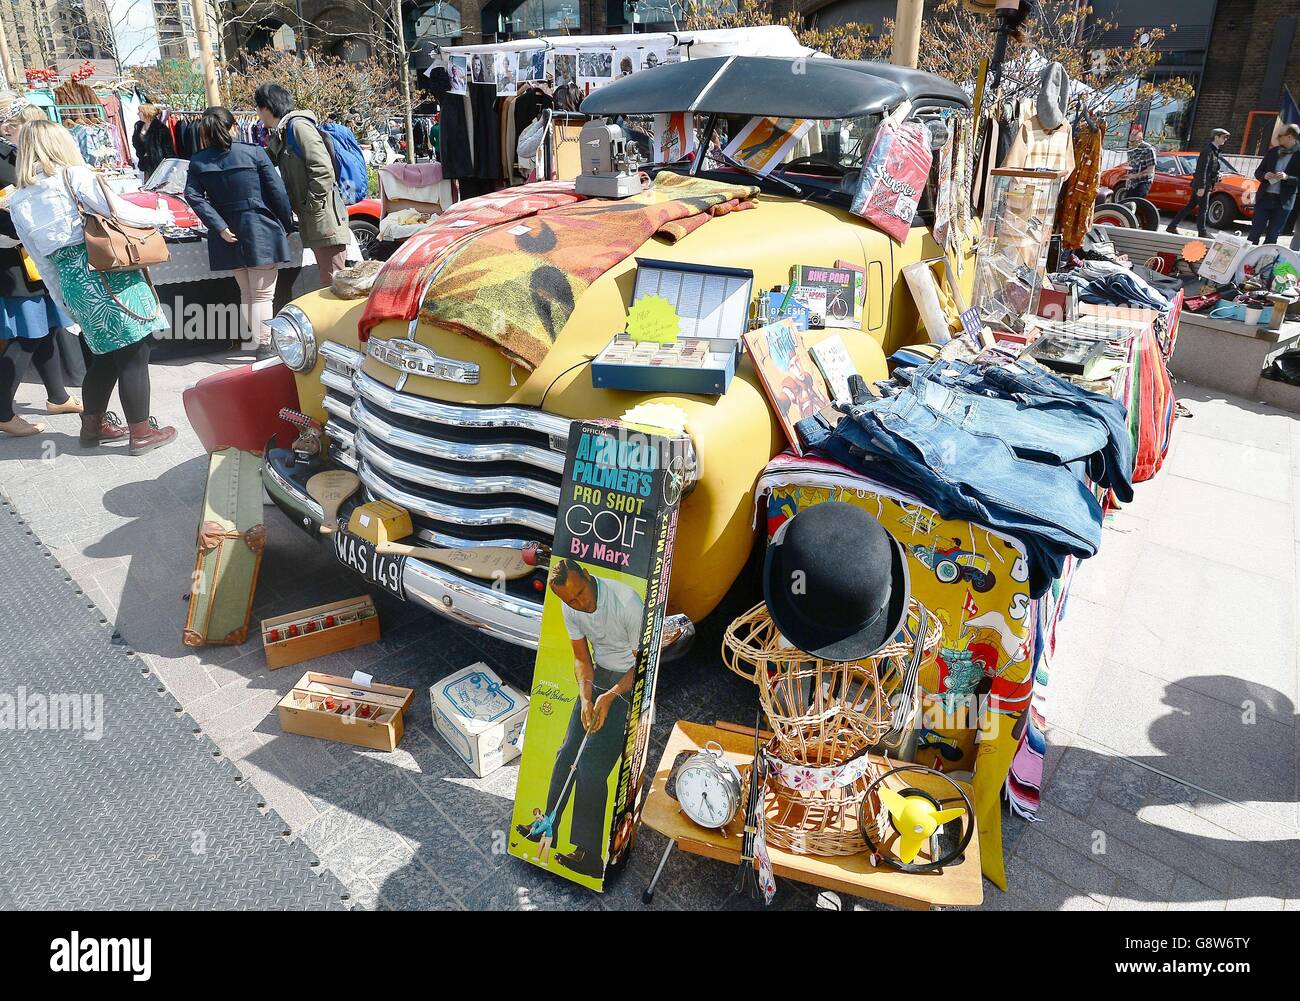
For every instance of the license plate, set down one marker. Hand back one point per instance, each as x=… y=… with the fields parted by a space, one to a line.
x=381 y=569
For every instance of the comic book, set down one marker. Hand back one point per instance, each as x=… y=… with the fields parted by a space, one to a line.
x=795 y=388
x=584 y=758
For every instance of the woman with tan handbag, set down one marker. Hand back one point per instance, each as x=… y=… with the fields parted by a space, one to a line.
x=57 y=200
x=29 y=320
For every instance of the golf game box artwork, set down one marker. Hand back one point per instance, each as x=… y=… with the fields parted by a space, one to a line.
x=584 y=759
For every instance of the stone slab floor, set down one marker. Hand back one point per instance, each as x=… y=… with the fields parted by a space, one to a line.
x=1171 y=708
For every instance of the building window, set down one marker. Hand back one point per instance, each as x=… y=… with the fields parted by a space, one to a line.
x=436 y=22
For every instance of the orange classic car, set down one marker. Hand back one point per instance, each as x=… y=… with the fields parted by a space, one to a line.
x=1233 y=197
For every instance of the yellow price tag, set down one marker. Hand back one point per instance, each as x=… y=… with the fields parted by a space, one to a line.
x=652 y=318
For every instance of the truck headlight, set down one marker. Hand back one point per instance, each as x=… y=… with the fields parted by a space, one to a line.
x=294 y=338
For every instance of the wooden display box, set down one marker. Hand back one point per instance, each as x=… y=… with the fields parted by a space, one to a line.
x=334 y=708
x=314 y=632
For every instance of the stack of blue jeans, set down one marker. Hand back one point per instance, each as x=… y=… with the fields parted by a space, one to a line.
x=1007 y=447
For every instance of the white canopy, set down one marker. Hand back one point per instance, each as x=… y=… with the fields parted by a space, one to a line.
x=765 y=40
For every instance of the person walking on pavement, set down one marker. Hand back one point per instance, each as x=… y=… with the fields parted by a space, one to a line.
x=29 y=319
x=234 y=188
x=1279 y=176
x=296 y=146
x=1209 y=165
x=1141 y=165
x=117 y=311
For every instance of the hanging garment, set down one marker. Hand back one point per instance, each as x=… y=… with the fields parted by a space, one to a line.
x=485 y=131
x=1037 y=148
x=1079 y=193
x=456 y=150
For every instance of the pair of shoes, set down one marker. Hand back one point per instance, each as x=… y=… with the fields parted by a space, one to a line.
x=581 y=862
x=20 y=428
x=265 y=351
x=97 y=428
x=146 y=435
x=525 y=831
x=72 y=405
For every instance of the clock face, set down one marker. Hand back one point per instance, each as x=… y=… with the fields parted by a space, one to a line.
x=705 y=795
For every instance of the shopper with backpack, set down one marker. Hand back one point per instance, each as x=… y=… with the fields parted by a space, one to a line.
x=298 y=147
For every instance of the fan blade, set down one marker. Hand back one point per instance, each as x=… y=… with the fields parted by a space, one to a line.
x=943 y=816
x=909 y=846
x=894 y=803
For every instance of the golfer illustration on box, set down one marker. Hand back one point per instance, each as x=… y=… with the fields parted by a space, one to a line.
x=604 y=621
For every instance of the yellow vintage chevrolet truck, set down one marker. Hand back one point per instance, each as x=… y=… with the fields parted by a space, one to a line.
x=473 y=447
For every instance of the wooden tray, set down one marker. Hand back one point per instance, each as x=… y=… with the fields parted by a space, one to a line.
x=958 y=885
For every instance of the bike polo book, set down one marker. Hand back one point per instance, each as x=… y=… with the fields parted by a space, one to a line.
x=584 y=759
x=841 y=287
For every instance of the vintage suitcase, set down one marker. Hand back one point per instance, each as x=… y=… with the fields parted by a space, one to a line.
x=231 y=538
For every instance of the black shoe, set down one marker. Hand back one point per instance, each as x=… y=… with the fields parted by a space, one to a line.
x=265 y=351
x=580 y=862
x=526 y=831
x=1170 y=229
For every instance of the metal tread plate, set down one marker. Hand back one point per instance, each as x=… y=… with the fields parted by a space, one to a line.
x=148 y=816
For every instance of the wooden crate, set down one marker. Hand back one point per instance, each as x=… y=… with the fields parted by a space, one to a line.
x=334 y=708
x=314 y=632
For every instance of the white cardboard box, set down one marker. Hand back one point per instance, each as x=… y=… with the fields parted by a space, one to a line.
x=480 y=716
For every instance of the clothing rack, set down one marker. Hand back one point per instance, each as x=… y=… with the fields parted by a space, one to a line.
x=64 y=112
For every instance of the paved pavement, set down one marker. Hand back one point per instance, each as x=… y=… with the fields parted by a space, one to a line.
x=1172 y=774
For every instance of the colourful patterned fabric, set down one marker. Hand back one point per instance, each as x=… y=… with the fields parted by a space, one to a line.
x=516 y=286
x=105 y=325
x=975 y=581
x=400 y=286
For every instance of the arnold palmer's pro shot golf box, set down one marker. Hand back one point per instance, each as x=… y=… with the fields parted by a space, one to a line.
x=576 y=802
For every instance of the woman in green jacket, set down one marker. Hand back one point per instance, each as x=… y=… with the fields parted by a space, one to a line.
x=296 y=147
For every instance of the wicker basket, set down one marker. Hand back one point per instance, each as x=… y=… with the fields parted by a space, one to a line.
x=823 y=713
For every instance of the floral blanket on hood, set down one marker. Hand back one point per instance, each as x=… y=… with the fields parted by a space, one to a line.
x=510 y=271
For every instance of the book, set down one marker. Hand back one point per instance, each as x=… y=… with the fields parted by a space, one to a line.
x=860 y=277
x=832 y=358
x=770 y=309
x=794 y=386
x=814 y=300
x=841 y=286
x=614 y=535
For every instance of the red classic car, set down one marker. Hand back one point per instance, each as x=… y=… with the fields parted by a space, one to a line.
x=1233 y=197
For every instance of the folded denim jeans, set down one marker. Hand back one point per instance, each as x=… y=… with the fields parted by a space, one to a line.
x=1001 y=447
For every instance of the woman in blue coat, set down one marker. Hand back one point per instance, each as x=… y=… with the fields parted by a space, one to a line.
x=236 y=191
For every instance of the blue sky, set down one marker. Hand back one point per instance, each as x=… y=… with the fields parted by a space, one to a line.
x=133 y=27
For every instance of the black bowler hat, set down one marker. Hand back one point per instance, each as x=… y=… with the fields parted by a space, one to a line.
x=836 y=582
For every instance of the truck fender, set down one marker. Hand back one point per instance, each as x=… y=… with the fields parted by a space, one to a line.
x=240 y=407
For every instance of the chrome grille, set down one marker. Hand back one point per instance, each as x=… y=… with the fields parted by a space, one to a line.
x=469 y=475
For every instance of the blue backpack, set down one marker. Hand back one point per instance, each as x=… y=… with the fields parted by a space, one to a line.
x=349 y=162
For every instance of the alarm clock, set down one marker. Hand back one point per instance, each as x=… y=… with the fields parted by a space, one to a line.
x=709 y=787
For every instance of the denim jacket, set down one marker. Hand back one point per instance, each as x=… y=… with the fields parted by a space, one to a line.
x=46 y=218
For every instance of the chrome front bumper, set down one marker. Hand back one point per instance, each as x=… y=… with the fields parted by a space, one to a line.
x=466 y=601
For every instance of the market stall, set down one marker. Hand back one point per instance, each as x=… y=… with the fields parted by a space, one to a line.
x=844 y=341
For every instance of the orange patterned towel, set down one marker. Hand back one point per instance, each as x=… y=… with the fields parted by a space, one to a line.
x=516 y=286
x=397 y=291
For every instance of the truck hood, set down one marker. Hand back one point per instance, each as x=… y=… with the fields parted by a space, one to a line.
x=766 y=239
